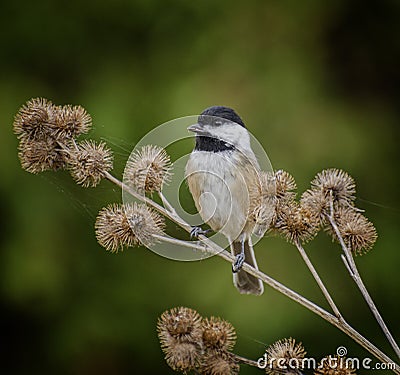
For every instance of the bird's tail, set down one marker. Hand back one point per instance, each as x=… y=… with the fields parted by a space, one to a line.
x=244 y=282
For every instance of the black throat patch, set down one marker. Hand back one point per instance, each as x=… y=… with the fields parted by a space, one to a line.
x=210 y=144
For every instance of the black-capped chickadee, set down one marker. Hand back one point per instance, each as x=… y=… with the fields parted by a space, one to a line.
x=223 y=178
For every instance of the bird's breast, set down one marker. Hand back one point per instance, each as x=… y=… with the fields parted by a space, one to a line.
x=221 y=185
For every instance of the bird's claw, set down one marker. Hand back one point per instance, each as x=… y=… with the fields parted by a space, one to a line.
x=198 y=231
x=238 y=263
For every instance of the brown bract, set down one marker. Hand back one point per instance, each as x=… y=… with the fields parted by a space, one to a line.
x=335 y=365
x=295 y=223
x=118 y=226
x=285 y=185
x=72 y=121
x=40 y=155
x=182 y=356
x=148 y=169
x=89 y=161
x=34 y=119
x=284 y=354
x=218 y=362
x=47 y=139
x=218 y=333
x=180 y=334
x=358 y=233
x=337 y=184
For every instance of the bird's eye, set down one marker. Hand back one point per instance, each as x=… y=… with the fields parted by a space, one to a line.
x=218 y=122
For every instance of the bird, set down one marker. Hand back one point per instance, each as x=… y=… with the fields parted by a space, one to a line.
x=222 y=175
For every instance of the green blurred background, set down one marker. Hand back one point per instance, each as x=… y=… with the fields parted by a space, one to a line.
x=317 y=82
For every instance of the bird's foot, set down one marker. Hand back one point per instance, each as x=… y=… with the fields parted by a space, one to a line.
x=238 y=263
x=198 y=231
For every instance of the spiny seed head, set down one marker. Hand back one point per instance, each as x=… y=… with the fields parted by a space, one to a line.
x=263 y=215
x=39 y=119
x=335 y=365
x=218 y=334
x=182 y=356
x=337 y=184
x=46 y=133
x=179 y=332
x=358 y=233
x=279 y=185
x=218 y=362
x=295 y=223
x=282 y=353
x=285 y=185
x=33 y=119
x=280 y=188
x=119 y=226
x=40 y=155
x=267 y=182
x=180 y=324
x=148 y=169
x=89 y=161
x=317 y=203
x=263 y=209
x=72 y=121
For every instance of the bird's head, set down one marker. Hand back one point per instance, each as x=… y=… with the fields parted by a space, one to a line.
x=223 y=124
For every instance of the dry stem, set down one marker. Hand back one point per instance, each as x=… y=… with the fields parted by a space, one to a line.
x=355 y=275
x=246 y=361
x=318 y=279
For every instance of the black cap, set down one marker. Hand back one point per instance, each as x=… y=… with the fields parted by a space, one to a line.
x=222 y=112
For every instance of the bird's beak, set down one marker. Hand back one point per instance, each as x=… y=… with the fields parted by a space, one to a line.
x=196 y=128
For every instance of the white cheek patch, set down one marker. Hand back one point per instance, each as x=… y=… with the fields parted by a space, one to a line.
x=232 y=134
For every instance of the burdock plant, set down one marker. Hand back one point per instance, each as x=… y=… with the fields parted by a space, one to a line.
x=49 y=140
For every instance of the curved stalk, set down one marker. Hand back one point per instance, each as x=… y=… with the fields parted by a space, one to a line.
x=355 y=275
x=318 y=279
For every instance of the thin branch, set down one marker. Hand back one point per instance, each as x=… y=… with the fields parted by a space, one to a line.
x=346 y=263
x=175 y=241
x=355 y=275
x=170 y=215
x=318 y=279
x=166 y=203
x=217 y=250
x=246 y=361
